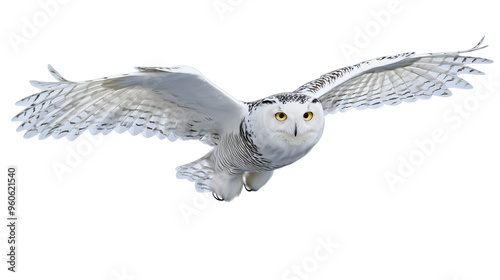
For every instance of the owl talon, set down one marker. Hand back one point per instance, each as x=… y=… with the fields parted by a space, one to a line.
x=248 y=188
x=216 y=196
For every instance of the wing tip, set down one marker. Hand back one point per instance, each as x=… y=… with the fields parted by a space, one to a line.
x=16 y=118
x=38 y=84
x=21 y=102
x=480 y=43
x=478 y=46
x=56 y=74
x=488 y=61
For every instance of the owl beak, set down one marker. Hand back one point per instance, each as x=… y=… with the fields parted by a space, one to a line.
x=295 y=131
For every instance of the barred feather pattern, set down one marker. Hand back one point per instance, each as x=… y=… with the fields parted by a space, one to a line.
x=391 y=80
x=236 y=153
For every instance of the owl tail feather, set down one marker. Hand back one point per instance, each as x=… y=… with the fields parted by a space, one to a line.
x=199 y=171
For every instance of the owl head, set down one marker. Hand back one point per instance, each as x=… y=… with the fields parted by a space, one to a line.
x=289 y=119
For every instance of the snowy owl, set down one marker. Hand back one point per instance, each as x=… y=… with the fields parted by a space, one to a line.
x=249 y=139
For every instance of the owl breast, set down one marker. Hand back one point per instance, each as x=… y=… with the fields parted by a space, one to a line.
x=248 y=151
x=281 y=152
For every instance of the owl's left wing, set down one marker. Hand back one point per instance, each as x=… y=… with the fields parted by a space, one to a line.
x=392 y=79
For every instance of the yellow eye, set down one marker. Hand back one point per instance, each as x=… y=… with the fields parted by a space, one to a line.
x=308 y=116
x=280 y=116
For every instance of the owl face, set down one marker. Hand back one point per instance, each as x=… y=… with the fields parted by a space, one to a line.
x=291 y=119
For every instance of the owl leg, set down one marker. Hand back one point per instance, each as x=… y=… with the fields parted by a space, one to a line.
x=256 y=180
x=226 y=186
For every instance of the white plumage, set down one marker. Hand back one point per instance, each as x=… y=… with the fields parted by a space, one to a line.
x=250 y=139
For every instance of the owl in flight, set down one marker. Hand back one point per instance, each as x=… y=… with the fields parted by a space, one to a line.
x=249 y=139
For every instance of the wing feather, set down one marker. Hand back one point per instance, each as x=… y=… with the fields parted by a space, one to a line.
x=169 y=102
x=391 y=80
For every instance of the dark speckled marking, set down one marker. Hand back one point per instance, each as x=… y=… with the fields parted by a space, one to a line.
x=292 y=97
x=282 y=98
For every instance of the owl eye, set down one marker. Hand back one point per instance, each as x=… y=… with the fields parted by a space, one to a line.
x=280 y=116
x=308 y=116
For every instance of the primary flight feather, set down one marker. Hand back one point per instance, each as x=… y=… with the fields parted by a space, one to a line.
x=250 y=139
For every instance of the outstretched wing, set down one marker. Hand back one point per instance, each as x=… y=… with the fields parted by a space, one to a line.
x=169 y=102
x=392 y=79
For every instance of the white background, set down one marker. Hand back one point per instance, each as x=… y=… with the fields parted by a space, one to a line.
x=120 y=213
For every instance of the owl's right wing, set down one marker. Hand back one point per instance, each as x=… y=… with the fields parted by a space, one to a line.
x=392 y=79
x=169 y=102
